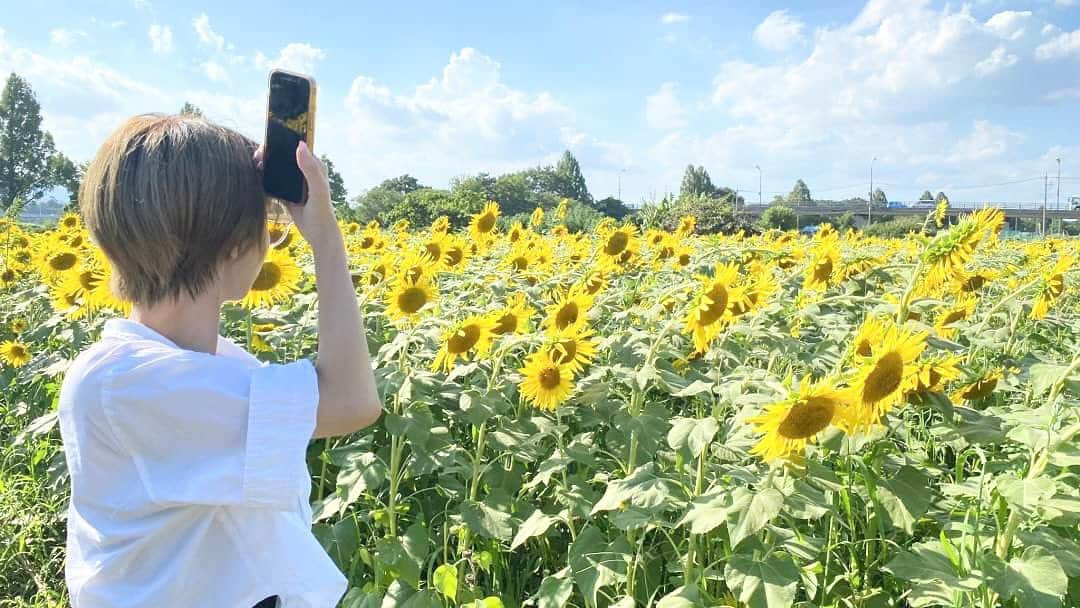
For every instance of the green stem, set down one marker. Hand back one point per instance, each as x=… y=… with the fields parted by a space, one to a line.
x=905 y=300
x=566 y=485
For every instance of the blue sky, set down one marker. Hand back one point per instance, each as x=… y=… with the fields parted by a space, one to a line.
x=954 y=97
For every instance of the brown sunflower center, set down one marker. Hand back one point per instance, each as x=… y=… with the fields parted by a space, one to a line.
x=454 y=255
x=486 y=223
x=464 y=339
x=980 y=389
x=18 y=351
x=508 y=323
x=807 y=418
x=564 y=351
x=884 y=379
x=7 y=276
x=717 y=298
x=864 y=348
x=269 y=277
x=411 y=300
x=550 y=378
x=958 y=314
x=616 y=243
x=568 y=315
x=520 y=262
x=62 y=261
x=89 y=280
x=435 y=250
x=823 y=270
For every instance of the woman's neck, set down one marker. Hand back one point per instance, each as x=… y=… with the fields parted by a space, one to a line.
x=191 y=323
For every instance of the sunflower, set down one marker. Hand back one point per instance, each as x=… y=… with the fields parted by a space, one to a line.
x=15 y=354
x=471 y=336
x=56 y=260
x=978 y=389
x=569 y=311
x=573 y=348
x=400 y=227
x=517 y=233
x=561 y=209
x=258 y=337
x=825 y=260
x=1051 y=288
x=436 y=247
x=537 y=217
x=947 y=254
x=687 y=224
x=934 y=372
x=514 y=318
x=520 y=258
x=560 y=231
x=884 y=377
x=940 y=211
x=441 y=225
x=281 y=235
x=483 y=224
x=762 y=285
x=18 y=326
x=378 y=271
x=963 y=308
x=88 y=286
x=973 y=282
x=407 y=297
x=787 y=426
x=370 y=240
x=67 y=302
x=546 y=384
x=619 y=245
x=69 y=221
x=277 y=280
x=710 y=309
x=870 y=333
x=595 y=281
x=8 y=276
x=417 y=265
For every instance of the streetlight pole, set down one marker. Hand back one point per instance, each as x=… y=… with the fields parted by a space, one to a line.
x=870 y=199
x=1057 y=205
x=759 y=201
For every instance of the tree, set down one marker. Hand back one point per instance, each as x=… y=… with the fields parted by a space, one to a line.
x=25 y=149
x=63 y=172
x=880 y=200
x=779 y=216
x=696 y=181
x=612 y=207
x=190 y=109
x=338 y=193
x=573 y=182
x=800 y=194
x=941 y=197
x=403 y=184
x=926 y=196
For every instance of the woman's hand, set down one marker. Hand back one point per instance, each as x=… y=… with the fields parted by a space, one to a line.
x=315 y=220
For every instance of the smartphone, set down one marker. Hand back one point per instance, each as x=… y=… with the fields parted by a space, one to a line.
x=290 y=119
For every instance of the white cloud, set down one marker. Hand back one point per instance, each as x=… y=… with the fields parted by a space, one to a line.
x=296 y=56
x=672 y=18
x=1008 y=24
x=142 y=5
x=107 y=24
x=1061 y=46
x=161 y=38
x=998 y=60
x=63 y=37
x=779 y=31
x=986 y=141
x=214 y=71
x=663 y=110
x=207 y=36
x=464 y=120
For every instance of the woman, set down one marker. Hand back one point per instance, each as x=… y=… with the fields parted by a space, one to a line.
x=187 y=456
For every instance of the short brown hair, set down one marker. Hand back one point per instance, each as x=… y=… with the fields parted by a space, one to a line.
x=167 y=198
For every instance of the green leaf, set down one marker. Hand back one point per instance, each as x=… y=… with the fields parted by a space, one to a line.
x=362 y=473
x=707 y=511
x=536 y=524
x=491 y=601
x=486 y=521
x=905 y=498
x=555 y=590
x=425 y=598
x=549 y=466
x=924 y=562
x=753 y=511
x=1025 y=494
x=692 y=433
x=642 y=488
x=683 y=597
x=694 y=388
x=444 y=579
x=1067 y=551
x=768 y=583
x=1035 y=579
x=392 y=558
x=595 y=563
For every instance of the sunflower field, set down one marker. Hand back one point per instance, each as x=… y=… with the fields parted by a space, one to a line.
x=637 y=417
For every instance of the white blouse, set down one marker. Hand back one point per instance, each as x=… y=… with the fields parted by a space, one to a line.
x=189 y=483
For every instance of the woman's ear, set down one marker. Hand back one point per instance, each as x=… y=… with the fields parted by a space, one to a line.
x=235 y=253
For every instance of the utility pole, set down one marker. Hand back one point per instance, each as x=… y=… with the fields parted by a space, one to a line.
x=1046 y=189
x=870 y=199
x=759 y=201
x=1057 y=205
